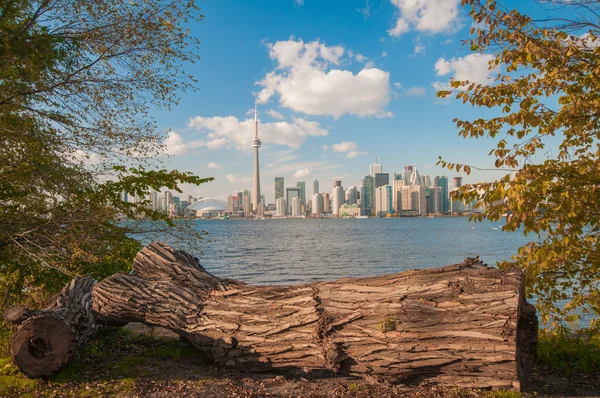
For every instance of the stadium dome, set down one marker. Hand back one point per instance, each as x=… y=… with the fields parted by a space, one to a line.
x=208 y=204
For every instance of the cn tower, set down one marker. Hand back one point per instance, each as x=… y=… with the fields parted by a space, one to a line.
x=256 y=144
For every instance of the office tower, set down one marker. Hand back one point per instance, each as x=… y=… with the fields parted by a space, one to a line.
x=279 y=188
x=337 y=183
x=168 y=201
x=189 y=199
x=414 y=199
x=352 y=195
x=396 y=195
x=280 y=207
x=296 y=206
x=302 y=186
x=383 y=201
x=366 y=194
x=442 y=182
x=414 y=176
x=318 y=204
x=177 y=202
x=381 y=179
x=315 y=186
x=375 y=168
x=457 y=182
x=247 y=206
x=154 y=200
x=434 y=200
x=231 y=204
x=425 y=180
x=326 y=203
x=256 y=146
x=406 y=174
x=337 y=199
x=291 y=193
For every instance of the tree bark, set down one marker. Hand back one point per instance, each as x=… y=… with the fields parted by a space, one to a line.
x=462 y=325
x=45 y=340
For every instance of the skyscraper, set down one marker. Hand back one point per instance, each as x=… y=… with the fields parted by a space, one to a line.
x=296 y=207
x=280 y=207
x=315 y=186
x=337 y=183
x=326 y=203
x=366 y=194
x=375 y=168
x=302 y=186
x=383 y=201
x=291 y=193
x=256 y=145
x=442 y=182
x=279 y=188
x=317 y=203
x=406 y=174
x=337 y=199
x=352 y=195
x=457 y=182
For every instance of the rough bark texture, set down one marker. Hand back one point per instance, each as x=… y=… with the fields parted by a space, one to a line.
x=45 y=340
x=462 y=325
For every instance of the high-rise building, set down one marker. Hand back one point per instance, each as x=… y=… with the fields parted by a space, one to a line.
x=302 y=186
x=457 y=182
x=337 y=199
x=442 y=182
x=189 y=199
x=414 y=177
x=367 y=191
x=326 y=203
x=352 y=195
x=383 y=201
x=279 y=188
x=280 y=207
x=434 y=199
x=375 y=168
x=315 y=186
x=256 y=144
x=381 y=179
x=406 y=174
x=230 y=204
x=296 y=206
x=291 y=193
x=168 y=201
x=414 y=199
x=337 y=183
x=247 y=206
x=318 y=204
x=397 y=195
x=154 y=200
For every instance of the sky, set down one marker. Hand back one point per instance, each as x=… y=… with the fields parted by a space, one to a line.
x=337 y=83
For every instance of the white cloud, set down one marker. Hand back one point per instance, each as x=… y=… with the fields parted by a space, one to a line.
x=302 y=173
x=366 y=10
x=397 y=85
x=370 y=65
x=175 y=144
x=353 y=154
x=345 y=146
x=432 y=16
x=213 y=165
x=473 y=68
x=419 y=47
x=415 y=92
x=235 y=179
x=226 y=131
x=275 y=115
x=384 y=54
x=360 y=58
x=304 y=81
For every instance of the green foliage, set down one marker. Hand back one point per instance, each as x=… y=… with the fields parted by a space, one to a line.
x=547 y=104
x=568 y=353
x=78 y=80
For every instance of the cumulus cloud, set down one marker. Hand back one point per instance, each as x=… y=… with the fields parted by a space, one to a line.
x=229 y=131
x=176 y=145
x=415 y=92
x=353 y=154
x=235 y=179
x=275 y=115
x=473 y=68
x=302 y=173
x=305 y=81
x=431 y=16
x=397 y=85
x=348 y=147
x=213 y=165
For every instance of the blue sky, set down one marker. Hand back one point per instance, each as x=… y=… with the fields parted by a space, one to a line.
x=337 y=83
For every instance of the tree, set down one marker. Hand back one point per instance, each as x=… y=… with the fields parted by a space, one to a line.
x=547 y=101
x=79 y=80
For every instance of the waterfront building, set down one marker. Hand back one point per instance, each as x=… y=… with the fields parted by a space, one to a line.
x=318 y=204
x=280 y=207
x=375 y=168
x=337 y=199
x=154 y=200
x=442 y=182
x=425 y=180
x=457 y=182
x=396 y=187
x=337 y=183
x=256 y=145
x=352 y=195
x=302 y=186
x=168 y=200
x=176 y=201
x=189 y=199
x=208 y=208
x=383 y=201
x=348 y=210
x=406 y=174
x=296 y=206
x=291 y=193
x=434 y=199
x=414 y=200
x=367 y=191
x=247 y=206
x=326 y=203
x=315 y=186
x=381 y=179
x=279 y=188
x=172 y=210
x=230 y=204
x=414 y=176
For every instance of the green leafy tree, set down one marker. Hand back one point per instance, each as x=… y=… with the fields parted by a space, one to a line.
x=546 y=99
x=78 y=82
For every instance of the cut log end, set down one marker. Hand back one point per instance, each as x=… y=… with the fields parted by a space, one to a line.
x=41 y=345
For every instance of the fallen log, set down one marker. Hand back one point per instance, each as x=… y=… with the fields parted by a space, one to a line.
x=462 y=325
x=45 y=340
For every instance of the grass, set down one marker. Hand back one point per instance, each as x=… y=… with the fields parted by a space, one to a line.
x=568 y=353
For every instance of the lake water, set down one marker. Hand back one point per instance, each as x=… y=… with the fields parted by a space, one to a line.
x=306 y=250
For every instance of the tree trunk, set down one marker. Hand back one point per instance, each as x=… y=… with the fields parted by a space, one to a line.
x=462 y=325
x=45 y=340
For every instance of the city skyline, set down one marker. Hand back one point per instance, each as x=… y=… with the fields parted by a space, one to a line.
x=334 y=131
